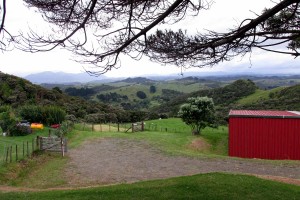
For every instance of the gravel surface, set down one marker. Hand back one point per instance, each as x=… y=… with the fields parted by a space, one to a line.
x=111 y=161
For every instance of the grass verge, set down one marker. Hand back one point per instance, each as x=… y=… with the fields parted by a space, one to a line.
x=41 y=171
x=204 y=186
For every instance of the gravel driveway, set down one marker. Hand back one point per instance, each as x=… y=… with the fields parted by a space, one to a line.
x=111 y=160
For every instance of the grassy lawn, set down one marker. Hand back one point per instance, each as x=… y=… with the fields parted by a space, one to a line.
x=204 y=186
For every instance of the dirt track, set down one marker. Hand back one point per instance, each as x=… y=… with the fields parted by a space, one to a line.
x=110 y=161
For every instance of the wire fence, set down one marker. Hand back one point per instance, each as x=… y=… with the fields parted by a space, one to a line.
x=127 y=127
x=16 y=151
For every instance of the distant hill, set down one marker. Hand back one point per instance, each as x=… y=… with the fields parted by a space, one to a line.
x=16 y=92
x=62 y=77
x=138 y=80
x=222 y=96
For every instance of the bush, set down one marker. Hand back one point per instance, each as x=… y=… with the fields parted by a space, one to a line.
x=71 y=118
x=9 y=124
x=32 y=113
x=152 y=89
x=141 y=95
x=19 y=130
x=53 y=115
x=46 y=115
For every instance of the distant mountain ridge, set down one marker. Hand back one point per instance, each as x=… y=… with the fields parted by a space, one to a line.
x=48 y=77
x=62 y=77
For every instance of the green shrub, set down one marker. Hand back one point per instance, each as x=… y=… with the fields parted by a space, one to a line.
x=9 y=124
x=32 y=113
x=46 y=115
x=71 y=118
x=53 y=115
x=7 y=120
x=141 y=95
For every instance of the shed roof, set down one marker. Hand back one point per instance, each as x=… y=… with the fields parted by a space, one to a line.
x=264 y=113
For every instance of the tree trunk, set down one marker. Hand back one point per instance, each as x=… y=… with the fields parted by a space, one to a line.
x=195 y=132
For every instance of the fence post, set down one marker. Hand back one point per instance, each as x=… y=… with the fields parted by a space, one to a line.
x=32 y=145
x=23 y=150
x=37 y=142
x=27 y=149
x=16 y=152
x=118 y=127
x=10 y=154
x=7 y=151
x=92 y=127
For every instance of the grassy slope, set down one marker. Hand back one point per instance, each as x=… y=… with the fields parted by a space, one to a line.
x=204 y=186
x=41 y=171
x=130 y=89
x=258 y=95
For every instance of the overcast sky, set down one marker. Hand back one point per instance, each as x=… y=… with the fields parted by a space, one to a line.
x=224 y=14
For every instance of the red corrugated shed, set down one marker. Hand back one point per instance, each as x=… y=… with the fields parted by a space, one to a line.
x=264 y=134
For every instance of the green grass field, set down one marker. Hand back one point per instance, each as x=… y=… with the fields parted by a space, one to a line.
x=204 y=186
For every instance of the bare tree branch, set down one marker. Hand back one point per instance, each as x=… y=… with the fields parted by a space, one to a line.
x=276 y=26
x=98 y=32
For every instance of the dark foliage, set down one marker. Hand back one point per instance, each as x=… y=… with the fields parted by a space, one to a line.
x=80 y=92
x=17 y=92
x=112 y=97
x=141 y=95
x=168 y=94
x=222 y=97
x=152 y=89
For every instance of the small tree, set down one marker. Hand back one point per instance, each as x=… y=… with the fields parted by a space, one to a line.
x=141 y=95
x=152 y=89
x=198 y=113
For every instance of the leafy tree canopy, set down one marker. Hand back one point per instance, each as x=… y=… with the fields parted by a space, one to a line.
x=198 y=113
x=122 y=27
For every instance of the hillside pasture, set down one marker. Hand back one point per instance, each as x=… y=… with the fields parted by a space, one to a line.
x=259 y=95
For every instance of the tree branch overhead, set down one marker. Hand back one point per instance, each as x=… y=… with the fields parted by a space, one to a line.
x=98 y=32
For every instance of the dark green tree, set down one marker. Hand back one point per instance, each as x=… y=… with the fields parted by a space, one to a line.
x=152 y=89
x=141 y=95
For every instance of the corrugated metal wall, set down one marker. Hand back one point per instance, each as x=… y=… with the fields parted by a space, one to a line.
x=268 y=138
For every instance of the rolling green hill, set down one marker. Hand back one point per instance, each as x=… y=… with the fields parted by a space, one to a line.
x=151 y=97
x=287 y=98
x=124 y=93
x=259 y=95
x=15 y=91
x=241 y=94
